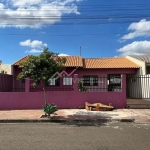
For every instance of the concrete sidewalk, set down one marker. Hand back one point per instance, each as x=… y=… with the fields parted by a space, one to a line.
x=70 y=115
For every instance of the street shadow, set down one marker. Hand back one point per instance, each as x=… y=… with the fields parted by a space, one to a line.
x=84 y=118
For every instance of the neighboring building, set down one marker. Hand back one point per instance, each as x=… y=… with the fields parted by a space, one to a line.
x=5 y=69
x=138 y=85
x=143 y=62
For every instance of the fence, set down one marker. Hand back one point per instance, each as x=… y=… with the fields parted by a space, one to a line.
x=18 y=85
x=138 y=86
x=100 y=83
x=103 y=83
x=57 y=87
x=63 y=99
x=6 y=83
x=9 y=83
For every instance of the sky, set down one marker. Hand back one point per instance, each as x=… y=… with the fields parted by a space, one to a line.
x=99 y=28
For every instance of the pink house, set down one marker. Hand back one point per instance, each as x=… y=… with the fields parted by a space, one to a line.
x=104 y=78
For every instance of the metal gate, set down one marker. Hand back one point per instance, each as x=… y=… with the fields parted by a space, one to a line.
x=138 y=86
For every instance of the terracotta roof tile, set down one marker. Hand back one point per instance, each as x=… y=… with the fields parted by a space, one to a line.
x=92 y=63
x=71 y=61
x=96 y=63
x=20 y=61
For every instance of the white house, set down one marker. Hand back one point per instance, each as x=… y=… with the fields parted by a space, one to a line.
x=5 y=69
x=138 y=86
x=143 y=62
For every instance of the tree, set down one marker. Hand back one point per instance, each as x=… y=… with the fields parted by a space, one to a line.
x=41 y=68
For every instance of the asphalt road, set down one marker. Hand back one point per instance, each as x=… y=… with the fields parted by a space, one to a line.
x=48 y=136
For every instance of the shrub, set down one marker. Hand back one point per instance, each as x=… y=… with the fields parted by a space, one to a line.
x=49 y=109
x=81 y=87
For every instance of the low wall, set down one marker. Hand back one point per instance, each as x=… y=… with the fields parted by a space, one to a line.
x=63 y=99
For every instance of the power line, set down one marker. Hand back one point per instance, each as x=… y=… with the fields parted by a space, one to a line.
x=90 y=34
x=86 y=5
x=99 y=14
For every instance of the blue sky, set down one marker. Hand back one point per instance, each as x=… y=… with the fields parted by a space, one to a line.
x=102 y=28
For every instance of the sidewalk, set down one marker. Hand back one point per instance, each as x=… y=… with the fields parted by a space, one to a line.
x=69 y=115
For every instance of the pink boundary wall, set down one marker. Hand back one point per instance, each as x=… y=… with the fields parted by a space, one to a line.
x=63 y=99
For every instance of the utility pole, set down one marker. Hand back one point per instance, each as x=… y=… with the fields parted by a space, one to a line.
x=81 y=48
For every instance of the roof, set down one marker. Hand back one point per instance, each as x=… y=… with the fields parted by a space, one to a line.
x=92 y=63
x=108 y=63
x=71 y=61
x=142 y=58
x=17 y=63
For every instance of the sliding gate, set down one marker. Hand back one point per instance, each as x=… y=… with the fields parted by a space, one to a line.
x=138 y=86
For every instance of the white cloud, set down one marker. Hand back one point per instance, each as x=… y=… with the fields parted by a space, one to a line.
x=141 y=28
x=136 y=48
x=34 y=13
x=33 y=44
x=37 y=46
x=1 y=6
x=25 y=2
x=34 y=51
x=63 y=54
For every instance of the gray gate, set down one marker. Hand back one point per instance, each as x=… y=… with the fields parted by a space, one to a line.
x=138 y=86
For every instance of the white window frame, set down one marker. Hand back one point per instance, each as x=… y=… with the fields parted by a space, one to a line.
x=52 y=81
x=67 y=81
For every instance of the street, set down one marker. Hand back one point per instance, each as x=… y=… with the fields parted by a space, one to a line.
x=52 y=136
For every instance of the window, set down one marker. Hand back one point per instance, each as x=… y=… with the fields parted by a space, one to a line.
x=67 y=81
x=54 y=82
x=114 y=82
x=91 y=80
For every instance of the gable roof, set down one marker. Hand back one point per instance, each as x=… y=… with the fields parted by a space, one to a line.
x=71 y=61
x=108 y=63
x=142 y=58
x=17 y=63
x=91 y=63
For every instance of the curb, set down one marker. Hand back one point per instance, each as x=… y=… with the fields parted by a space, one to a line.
x=99 y=121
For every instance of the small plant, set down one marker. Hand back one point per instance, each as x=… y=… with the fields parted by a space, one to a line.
x=81 y=87
x=49 y=109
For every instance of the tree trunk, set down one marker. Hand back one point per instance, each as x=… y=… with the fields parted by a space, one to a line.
x=44 y=94
x=44 y=97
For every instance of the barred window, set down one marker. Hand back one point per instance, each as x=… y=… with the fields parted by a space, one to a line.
x=90 y=80
x=114 y=82
x=67 y=81
x=54 y=82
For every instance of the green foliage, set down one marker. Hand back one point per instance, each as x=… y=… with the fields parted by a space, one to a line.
x=49 y=109
x=81 y=87
x=41 y=68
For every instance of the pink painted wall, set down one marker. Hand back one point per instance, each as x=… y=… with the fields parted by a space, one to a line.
x=63 y=99
x=82 y=71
